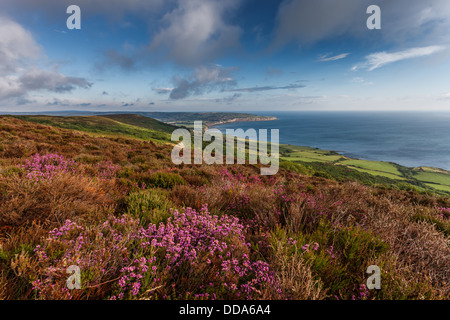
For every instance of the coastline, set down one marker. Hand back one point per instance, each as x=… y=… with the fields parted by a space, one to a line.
x=422 y=175
x=234 y=120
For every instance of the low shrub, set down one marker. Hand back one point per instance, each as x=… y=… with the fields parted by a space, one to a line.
x=194 y=255
x=149 y=206
x=165 y=180
x=45 y=167
x=440 y=225
x=53 y=201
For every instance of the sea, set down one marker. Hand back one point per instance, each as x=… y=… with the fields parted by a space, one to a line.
x=411 y=139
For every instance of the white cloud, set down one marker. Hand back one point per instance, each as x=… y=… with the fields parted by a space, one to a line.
x=10 y=87
x=196 y=32
x=268 y=88
x=163 y=90
x=361 y=81
x=16 y=46
x=326 y=57
x=203 y=79
x=445 y=96
x=189 y=32
x=38 y=79
x=380 y=59
x=18 y=73
x=216 y=74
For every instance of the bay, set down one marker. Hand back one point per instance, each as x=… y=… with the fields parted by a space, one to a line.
x=410 y=139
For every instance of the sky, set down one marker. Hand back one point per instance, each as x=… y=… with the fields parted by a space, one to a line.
x=224 y=55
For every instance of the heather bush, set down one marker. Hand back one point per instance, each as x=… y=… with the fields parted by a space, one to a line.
x=149 y=206
x=197 y=177
x=45 y=167
x=106 y=170
x=444 y=213
x=193 y=255
x=440 y=224
x=10 y=171
x=400 y=282
x=196 y=180
x=100 y=252
x=188 y=196
x=53 y=201
x=293 y=270
x=332 y=259
x=246 y=197
x=3 y=287
x=87 y=159
x=213 y=254
x=165 y=180
x=160 y=179
x=358 y=247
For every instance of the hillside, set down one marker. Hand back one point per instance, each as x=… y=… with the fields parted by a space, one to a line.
x=313 y=161
x=424 y=179
x=176 y=118
x=125 y=124
x=102 y=194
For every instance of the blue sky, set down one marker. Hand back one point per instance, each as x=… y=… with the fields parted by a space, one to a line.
x=233 y=55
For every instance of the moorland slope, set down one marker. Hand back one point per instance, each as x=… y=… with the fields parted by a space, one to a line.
x=112 y=203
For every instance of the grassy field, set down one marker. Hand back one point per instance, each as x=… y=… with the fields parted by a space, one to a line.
x=373 y=166
x=425 y=177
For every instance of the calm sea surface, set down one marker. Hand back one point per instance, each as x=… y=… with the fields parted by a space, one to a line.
x=409 y=139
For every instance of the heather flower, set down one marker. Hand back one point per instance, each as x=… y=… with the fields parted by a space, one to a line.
x=291 y=241
x=444 y=213
x=330 y=252
x=45 y=167
x=99 y=251
x=106 y=170
x=139 y=259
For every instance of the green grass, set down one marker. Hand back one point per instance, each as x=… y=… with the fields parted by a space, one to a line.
x=435 y=178
x=324 y=163
x=311 y=157
x=143 y=122
x=307 y=154
x=378 y=173
x=438 y=187
x=377 y=166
